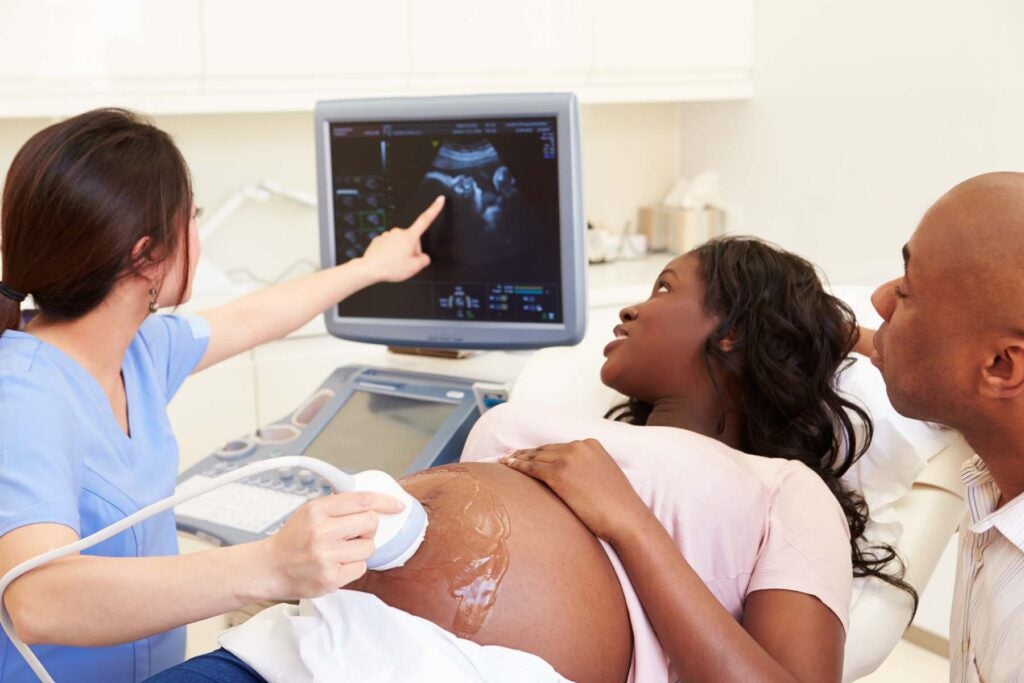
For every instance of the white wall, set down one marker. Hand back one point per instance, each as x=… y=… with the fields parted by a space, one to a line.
x=630 y=158
x=863 y=114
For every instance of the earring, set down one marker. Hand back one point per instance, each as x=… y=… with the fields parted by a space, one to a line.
x=152 y=300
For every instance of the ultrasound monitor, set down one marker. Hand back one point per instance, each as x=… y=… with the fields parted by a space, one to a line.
x=507 y=261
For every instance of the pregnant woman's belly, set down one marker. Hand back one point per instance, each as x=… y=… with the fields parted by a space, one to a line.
x=505 y=563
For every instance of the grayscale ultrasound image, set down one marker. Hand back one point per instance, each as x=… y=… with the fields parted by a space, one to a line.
x=488 y=219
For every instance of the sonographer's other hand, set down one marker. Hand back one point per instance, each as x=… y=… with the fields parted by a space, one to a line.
x=325 y=544
x=396 y=255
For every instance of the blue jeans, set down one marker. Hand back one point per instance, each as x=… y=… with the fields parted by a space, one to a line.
x=219 y=666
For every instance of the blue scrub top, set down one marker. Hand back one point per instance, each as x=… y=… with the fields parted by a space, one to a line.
x=65 y=460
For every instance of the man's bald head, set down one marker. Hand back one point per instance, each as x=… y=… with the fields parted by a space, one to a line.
x=974 y=235
x=952 y=347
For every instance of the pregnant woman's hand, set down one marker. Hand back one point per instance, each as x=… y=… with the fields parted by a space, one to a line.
x=588 y=481
x=325 y=544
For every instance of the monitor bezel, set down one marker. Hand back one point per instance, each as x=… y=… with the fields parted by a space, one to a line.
x=456 y=334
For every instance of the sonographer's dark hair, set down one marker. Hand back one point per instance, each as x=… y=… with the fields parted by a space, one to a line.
x=789 y=341
x=78 y=197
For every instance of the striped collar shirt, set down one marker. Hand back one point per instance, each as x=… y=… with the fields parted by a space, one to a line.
x=986 y=635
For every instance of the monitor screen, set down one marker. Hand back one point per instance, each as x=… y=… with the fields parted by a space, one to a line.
x=494 y=249
x=506 y=252
x=379 y=432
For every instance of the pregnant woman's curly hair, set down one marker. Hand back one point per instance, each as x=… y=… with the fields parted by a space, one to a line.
x=788 y=339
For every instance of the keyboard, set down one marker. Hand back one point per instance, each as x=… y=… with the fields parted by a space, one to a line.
x=239 y=506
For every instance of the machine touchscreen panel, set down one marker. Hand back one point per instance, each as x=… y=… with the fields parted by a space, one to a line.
x=379 y=432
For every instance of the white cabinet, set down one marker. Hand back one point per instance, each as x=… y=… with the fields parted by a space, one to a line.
x=59 y=57
x=302 y=42
x=55 y=52
x=662 y=37
x=672 y=49
x=468 y=42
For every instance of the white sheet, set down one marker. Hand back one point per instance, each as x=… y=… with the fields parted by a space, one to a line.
x=352 y=636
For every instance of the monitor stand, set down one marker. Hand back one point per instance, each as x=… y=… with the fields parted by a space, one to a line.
x=457 y=354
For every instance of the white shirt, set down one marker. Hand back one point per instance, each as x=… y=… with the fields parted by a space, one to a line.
x=986 y=636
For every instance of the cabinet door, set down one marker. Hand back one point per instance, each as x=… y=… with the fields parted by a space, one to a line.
x=504 y=43
x=69 y=45
x=305 y=40
x=659 y=36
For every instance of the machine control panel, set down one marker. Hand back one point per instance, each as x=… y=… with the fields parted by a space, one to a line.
x=360 y=418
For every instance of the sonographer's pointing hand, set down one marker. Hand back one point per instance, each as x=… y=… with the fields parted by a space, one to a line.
x=325 y=544
x=396 y=255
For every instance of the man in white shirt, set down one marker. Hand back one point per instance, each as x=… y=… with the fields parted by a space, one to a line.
x=951 y=351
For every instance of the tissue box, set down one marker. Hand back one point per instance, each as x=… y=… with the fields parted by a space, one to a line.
x=678 y=230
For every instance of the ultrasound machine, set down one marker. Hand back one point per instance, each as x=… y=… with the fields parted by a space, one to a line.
x=506 y=272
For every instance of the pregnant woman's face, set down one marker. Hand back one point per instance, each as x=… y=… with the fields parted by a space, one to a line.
x=657 y=349
x=505 y=563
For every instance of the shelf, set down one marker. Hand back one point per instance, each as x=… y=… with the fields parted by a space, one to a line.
x=162 y=57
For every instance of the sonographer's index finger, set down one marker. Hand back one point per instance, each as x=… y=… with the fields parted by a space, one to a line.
x=428 y=216
x=351 y=502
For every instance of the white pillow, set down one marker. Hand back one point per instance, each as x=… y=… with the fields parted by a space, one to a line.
x=571 y=375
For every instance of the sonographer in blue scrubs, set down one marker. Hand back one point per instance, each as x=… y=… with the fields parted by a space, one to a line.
x=98 y=226
x=66 y=461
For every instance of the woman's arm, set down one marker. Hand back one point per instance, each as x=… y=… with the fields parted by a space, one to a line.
x=273 y=312
x=785 y=635
x=89 y=601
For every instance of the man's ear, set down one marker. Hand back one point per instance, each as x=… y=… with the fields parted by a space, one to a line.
x=1002 y=376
